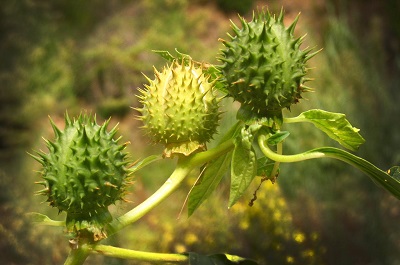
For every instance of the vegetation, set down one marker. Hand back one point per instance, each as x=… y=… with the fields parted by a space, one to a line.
x=69 y=60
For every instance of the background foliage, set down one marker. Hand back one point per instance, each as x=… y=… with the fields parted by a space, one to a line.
x=59 y=55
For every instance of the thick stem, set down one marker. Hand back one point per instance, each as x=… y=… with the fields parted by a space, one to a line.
x=78 y=255
x=183 y=168
x=122 y=253
x=172 y=183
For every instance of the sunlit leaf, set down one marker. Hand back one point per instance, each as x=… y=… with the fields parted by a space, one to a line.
x=335 y=125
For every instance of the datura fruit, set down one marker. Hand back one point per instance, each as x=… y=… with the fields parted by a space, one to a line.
x=263 y=66
x=84 y=172
x=180 y=108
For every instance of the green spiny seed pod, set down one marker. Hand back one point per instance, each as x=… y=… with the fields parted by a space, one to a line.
x=180 y=108
x=84 y=172
x=263 y=65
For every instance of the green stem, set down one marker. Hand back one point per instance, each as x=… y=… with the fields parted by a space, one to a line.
x=295 y=120
x=78 y=256
x=183 y=168
x=203 y=157
x=122 y=253
x=275 y=169
x=262 y=142
x=378 y=176
x=181 y=171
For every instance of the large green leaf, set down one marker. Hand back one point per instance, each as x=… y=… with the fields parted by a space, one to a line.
x=212 y=176
x=244 y=165
x=335 y=125
x=390 y=180
x=213 y=173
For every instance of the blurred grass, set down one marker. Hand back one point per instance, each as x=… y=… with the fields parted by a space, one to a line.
x=92 y=57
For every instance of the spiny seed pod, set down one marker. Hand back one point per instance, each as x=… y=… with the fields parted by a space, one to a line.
x=85 y=171
x=263 y=66
x=180 y=108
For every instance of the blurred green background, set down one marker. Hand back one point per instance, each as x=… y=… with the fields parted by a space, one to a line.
x=90 y=55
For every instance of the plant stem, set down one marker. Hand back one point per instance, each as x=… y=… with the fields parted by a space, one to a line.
x=203 y=157
x=172 y=183
x=295 y=120
x=183 y=168
x=122 y=253
x=379 y=176
x=78 y=256
x=275 y=169
x=262 y=142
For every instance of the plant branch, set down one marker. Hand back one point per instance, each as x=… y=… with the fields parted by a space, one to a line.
x=377 y=175
x=122 y=253
x=295 y=120
x=275 y=169
x=262 y=142
x=203 y=157
x=181 y=171
x=78 y=255
x=183 y=168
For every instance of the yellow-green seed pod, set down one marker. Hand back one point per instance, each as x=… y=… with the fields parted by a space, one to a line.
x=84 y=172
x=180 y=108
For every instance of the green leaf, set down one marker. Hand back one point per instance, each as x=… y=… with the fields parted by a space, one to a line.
x=212 y=176
x=183 y=56
x=394 y=172
x=165 y=54
x=42 y=219
x=244 y=165
x=170 y=58
x=218 y=259
x=209 y=69
x=278 y=137
x=144 y=162
x=264 y=166
x=335 y=125
x=215 y=76
x=390 y=180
